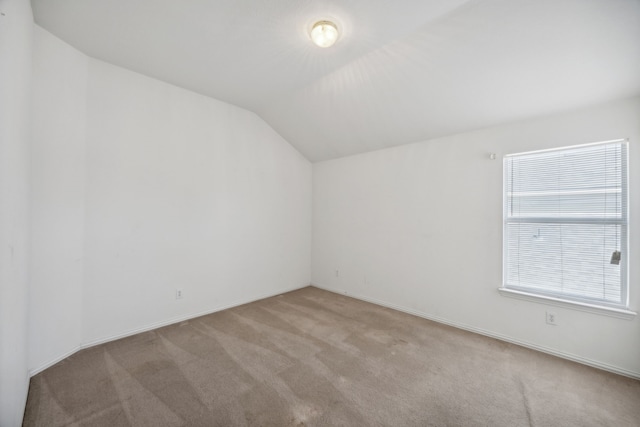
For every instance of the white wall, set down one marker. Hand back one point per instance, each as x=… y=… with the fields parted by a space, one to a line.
x=183 y=191
x=419 y=227
x=139 y=188
x=56 y=199
x=16 y=26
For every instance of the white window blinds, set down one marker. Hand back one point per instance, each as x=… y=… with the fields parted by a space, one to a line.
x=565 y=223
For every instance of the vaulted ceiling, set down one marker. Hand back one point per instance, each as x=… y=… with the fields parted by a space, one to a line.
x=403 y=70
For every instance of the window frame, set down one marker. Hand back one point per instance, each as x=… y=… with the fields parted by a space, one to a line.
x=581 y=303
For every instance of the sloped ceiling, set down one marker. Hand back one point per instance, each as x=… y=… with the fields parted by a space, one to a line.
x=403 y=70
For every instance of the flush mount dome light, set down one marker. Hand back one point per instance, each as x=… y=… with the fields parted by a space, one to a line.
x=324 y=33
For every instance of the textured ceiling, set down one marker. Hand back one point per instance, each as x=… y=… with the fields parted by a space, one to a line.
x=403 y=70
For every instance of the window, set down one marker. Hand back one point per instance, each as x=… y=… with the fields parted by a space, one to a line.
x=565 y=223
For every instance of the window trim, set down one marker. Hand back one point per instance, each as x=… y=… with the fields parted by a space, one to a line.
x=621 y=310
x=620 y=313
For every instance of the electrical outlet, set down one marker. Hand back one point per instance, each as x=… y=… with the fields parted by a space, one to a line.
x=337 y=273
x=179 y=293
x=551 y=318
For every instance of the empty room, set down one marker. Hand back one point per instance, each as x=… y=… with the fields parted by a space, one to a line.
x=319 y=213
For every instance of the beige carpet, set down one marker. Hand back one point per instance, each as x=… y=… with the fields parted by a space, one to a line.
x=311 y=357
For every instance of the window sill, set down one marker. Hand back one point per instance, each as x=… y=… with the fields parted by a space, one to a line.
x=574 y=305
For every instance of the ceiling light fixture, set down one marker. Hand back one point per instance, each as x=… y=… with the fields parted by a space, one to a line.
x=324 y=33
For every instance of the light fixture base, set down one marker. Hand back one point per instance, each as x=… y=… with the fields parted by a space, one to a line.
x=324 y=33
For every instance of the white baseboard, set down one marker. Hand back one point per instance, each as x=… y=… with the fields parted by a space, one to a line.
x=554 y=352
x=44 y=366
x=160 y=324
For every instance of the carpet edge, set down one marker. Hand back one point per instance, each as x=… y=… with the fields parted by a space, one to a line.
x=484 y=332
x=160 y=324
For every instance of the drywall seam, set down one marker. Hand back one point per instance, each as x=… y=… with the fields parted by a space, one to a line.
x=160 y=324
x=568 y=356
